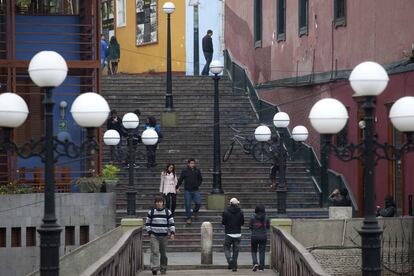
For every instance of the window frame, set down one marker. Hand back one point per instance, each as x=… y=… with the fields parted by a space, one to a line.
x=281 y=36
x=257 y=28
x=303 y=29
x=339 y=21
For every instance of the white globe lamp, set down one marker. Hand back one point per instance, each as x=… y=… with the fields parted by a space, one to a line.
x=300 y=133
x=168 y=7
x=48 y=69
x=402 y=114
x=281 y=120
x=111 y=137
x=216 y=67
x=90 y=110
x=13 y=110
x=149 y=137
x=130 y=120
x=328 y=116
x=368 y=79
x=262 y=133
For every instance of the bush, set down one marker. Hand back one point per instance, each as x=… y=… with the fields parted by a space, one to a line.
x=110 y=172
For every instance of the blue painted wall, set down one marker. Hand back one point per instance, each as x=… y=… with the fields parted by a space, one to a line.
x=27 y=45
x=210 y=16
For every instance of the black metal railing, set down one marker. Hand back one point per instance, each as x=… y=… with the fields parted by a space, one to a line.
x=265 y=111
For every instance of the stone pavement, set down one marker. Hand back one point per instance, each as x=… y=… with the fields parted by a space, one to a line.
x=188 y=263
x=217 y=272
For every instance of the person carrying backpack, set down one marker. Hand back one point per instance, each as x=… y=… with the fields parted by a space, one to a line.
x=259 y=224
x=159 y=223
x=151 y=149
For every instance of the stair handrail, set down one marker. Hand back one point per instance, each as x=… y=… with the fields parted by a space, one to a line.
x=125 y=256
x=289 y=256
x=265 y=111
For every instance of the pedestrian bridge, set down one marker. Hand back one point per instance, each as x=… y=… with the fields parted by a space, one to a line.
x=119 y=252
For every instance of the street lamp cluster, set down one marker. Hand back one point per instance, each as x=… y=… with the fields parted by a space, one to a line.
x=263 y=134
x=329 y=116
x=149 y=137
x=48 y=69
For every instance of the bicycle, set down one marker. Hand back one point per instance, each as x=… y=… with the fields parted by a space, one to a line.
x=260 y=150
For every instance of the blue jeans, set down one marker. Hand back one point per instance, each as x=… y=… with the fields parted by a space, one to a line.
x=190 y=196
x=206 y=69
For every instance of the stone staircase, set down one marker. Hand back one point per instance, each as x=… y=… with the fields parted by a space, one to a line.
x=242 y=176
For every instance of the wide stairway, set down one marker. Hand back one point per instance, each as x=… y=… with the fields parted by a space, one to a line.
x=242 y=176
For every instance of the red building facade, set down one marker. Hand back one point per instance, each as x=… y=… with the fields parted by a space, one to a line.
x=299 y=51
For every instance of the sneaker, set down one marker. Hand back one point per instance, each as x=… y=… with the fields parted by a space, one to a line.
x=188 y=221
x=154 y=272
x=230 y=266
x=163 y=272
x=255 y=267
x=195 y=215
x=234 y=269
x=261 y=270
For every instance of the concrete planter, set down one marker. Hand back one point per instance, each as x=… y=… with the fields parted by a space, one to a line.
x=110 y=185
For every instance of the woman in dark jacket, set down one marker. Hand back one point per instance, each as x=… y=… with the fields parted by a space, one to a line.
x=389 y=208
x=114 y=55
x=259 y=224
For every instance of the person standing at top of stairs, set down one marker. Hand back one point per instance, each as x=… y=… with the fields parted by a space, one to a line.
x=191 y=176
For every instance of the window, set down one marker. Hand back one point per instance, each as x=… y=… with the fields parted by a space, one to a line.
x=69 y=235
x=303 y=17
x=16 y=237
x=339 y=13
x=83 y=234
x=30 y=236
x=121 y=13
x=2 y=237
x=47 y=7
x=281 y=20
x=258 y=23
x=147 y=29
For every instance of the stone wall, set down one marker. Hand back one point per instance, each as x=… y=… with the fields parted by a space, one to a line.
x=82 y=216
x=335 y=243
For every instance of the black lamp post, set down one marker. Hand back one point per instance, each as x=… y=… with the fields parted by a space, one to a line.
x=216 y=68
x=169 y=8
x=48 y=69
x=328 y=116
x=130 y=121
x=279 y=152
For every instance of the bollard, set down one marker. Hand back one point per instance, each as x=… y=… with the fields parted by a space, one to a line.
x=206 y=243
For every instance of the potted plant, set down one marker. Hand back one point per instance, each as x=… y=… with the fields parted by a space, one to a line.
x=92 y=184
x=110 y=177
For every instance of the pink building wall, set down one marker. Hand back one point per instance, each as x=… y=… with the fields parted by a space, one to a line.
x=377 y=30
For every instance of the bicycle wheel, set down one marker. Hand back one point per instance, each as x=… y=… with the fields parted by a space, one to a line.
x=228 y=152
x=261 y=152
x=247 y=146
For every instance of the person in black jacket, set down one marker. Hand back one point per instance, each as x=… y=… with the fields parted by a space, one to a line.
x=389 y=208
x=191 y=176
x=232 y=220
x=115 y=122
x=259 y=224
x=208 y=51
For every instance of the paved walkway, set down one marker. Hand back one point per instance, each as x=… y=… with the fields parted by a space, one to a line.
x=216 y=272
x=189 y=263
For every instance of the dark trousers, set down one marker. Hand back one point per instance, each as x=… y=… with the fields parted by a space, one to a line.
x=261 y=244
x=171 y=201
x=206 y=69
x=231 y=250
x=151 y=154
